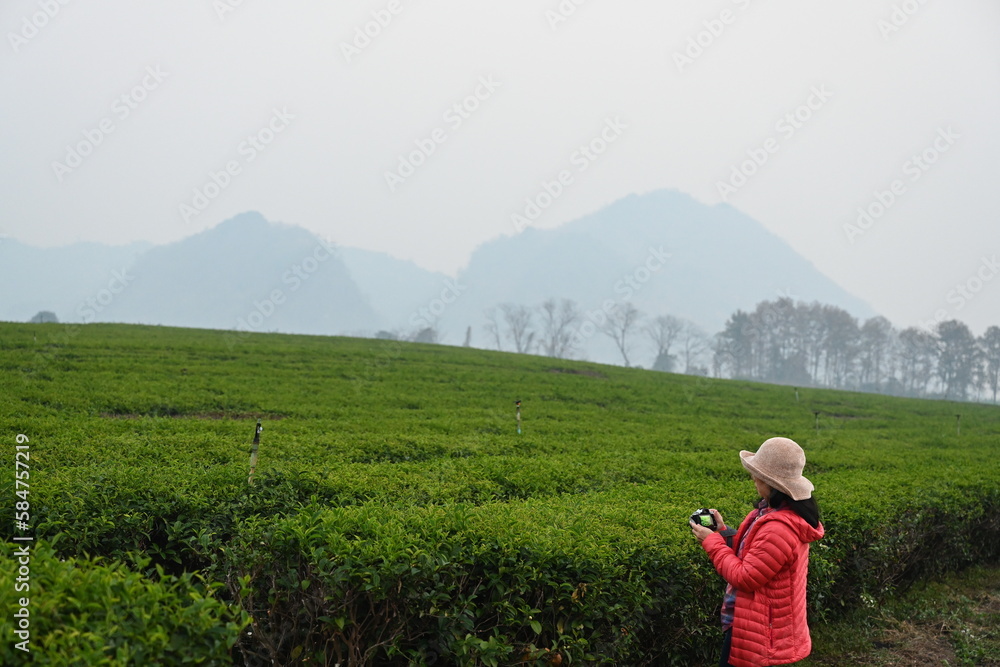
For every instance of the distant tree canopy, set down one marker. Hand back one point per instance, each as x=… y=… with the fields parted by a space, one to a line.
x=780 y=341
x=819 y=345
x=44 y=317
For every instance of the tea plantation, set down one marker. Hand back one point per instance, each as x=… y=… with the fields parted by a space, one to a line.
x=397 y=517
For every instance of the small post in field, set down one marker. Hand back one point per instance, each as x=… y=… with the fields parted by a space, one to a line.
x=253 y=452
x=958 y=424
x=518 y=404
x=796 y=394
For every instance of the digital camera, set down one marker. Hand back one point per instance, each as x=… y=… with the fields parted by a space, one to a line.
x=705 y=518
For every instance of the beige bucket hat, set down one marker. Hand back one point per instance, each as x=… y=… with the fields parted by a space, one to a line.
x=779 y=463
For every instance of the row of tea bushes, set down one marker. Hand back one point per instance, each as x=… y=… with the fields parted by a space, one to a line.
x=84 y=612
x=603 y=579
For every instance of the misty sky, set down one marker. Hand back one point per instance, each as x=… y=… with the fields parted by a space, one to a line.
x=152 y=121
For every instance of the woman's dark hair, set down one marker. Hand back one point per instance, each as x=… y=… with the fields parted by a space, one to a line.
x=808 y=509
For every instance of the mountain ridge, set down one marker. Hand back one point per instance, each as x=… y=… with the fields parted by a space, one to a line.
x=663 y=251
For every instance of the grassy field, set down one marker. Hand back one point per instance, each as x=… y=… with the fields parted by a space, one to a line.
x=398 y=517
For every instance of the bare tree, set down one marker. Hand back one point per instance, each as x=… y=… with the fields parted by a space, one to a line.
x=517 y=319
x=492 y=326
x=663 y=332
x=620 y=326
x=694 y=343
x=558 y=320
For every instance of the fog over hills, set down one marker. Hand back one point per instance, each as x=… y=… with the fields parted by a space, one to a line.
x=395 y=288
x=245 y=274
x=663 y=251
x=57 y=279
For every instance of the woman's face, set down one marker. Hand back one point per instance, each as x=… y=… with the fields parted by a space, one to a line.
x=762 y=488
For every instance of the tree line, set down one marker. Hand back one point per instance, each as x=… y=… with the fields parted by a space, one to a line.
x=559 y=328
x=781 y=341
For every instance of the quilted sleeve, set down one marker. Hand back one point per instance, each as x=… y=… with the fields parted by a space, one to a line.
x=772 y=546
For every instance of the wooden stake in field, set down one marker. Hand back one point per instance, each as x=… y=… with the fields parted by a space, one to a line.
x=958 y=424
x=253 y=452
x=518 y=404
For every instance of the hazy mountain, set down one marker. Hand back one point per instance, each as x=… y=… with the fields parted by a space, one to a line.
x=57 y=279
x=719 y=260
x=245 y=274
x=395 y=288
x=223 y=278
x=663 y=251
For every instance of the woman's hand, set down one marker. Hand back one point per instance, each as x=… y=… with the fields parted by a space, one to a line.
x=701 y=532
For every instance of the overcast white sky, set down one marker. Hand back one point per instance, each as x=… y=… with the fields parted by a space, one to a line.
x=887 y=80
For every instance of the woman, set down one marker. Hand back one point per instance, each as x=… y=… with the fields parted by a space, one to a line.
x=765 y=566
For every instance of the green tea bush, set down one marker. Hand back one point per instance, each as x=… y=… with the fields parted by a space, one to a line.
x=881 y=548
x=462 y=585
x=86 y=612
x=492 y=584
x=397 y=518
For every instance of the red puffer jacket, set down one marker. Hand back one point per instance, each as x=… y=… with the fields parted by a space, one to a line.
x=769 y=625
